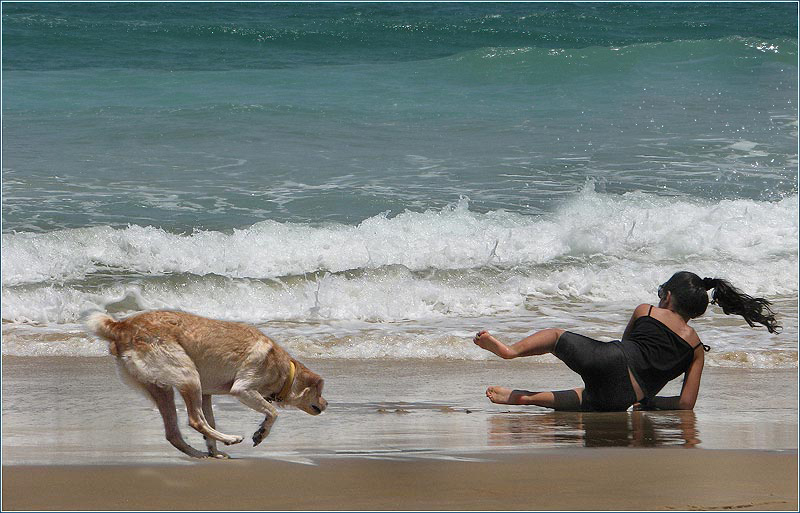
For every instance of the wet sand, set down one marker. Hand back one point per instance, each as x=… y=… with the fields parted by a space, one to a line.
x=399 y=435
x=589 y=479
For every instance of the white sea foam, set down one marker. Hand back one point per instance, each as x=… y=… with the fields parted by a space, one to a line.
x=436 y=340
x=392 y=294
x=634 y=227
x=414 y=285
x=389 y=314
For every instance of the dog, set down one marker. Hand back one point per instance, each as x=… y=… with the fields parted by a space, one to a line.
x=159 y=350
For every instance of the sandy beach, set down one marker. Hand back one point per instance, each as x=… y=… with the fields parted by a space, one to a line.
x=75 y=438
x=592 y=479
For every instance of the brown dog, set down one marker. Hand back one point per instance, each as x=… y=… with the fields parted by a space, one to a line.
x=159 y=350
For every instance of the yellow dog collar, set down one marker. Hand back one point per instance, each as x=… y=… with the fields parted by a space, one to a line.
x=281 y=396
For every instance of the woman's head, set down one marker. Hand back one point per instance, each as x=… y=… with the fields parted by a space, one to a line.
x=689 y=298
x=688 y=292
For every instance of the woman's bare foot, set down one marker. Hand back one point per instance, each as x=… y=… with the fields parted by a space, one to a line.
x=499 y=395
x=485 y=341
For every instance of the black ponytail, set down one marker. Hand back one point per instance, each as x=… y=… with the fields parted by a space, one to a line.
x=690 y=299
x=733 y=301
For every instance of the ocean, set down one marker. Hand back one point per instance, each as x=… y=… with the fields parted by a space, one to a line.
x=382 y=180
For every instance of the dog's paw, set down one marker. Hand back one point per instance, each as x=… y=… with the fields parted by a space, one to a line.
x=234 y=440
x=260 y=435
x=219 y=455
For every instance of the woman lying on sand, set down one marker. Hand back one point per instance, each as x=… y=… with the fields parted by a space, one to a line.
x=658 y=345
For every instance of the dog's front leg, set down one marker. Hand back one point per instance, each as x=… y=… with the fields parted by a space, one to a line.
x=264 y=428
x=256 y=401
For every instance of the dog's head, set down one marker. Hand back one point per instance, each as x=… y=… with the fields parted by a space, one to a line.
x=307 y=391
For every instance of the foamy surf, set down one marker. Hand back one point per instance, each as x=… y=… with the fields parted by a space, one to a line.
x=414 y=285
x=592 y=226
x=438 y=341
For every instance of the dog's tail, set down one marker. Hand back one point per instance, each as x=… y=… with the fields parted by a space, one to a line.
x=104 y=326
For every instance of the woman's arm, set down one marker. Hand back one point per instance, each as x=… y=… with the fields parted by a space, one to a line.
x=640 y=311
x=690 y=390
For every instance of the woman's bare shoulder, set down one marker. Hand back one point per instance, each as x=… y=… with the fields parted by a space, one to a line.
x=674 y=322
x=693 y=338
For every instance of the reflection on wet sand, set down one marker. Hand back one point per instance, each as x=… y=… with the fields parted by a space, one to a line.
x=612 y=429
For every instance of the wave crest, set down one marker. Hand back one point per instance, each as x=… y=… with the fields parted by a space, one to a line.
x=592 y=227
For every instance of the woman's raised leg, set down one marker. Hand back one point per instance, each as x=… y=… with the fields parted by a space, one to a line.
x=540 y=342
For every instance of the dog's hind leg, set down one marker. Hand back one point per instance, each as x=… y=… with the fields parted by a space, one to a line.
x=211 y=444
x=191 y=392
x=165 y=401
x=256 y=401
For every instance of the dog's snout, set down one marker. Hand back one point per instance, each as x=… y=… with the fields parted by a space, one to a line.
x=323 y=404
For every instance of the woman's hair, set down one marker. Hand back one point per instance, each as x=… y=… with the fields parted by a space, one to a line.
x=691 y=299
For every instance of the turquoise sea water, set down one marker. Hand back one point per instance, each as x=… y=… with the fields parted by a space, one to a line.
x=382 y=180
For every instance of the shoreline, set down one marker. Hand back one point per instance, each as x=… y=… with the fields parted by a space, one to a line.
x=76 y=411
x=561 y=479
x=398 y=435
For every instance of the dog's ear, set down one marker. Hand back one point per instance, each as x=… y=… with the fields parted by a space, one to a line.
x=315 y=384
x=314 y=381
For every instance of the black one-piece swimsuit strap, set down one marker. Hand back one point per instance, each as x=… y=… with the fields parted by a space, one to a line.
x=705 y=347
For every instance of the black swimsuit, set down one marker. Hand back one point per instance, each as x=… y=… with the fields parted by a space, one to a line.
x=604 y=370
x=653 y=352
x=656 y=354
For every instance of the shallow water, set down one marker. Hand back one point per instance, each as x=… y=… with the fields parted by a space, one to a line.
x=75 y=410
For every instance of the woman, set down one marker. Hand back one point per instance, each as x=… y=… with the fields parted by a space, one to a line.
x=658 y=345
